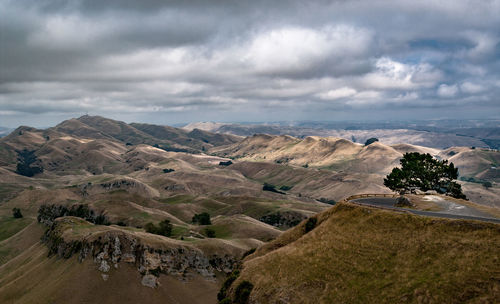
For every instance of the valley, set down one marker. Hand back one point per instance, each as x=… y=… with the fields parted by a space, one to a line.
x=92 y=190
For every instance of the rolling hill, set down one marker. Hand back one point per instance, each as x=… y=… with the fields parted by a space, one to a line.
x=91 y=188
x=365 y=255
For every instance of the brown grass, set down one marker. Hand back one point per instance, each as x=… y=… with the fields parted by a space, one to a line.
x=34 y=278
x=363 y=255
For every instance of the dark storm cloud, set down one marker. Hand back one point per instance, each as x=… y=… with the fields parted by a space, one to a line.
x=227 y=59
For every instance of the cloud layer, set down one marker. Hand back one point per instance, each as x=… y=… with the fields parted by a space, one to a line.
x=173 y=61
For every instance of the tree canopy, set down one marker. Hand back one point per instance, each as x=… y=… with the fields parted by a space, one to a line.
x=422 y=171
x=201 y=219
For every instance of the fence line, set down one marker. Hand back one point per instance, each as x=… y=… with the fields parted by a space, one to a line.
x=369 y=195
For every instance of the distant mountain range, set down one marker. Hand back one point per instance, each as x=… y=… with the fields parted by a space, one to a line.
x=434 y=134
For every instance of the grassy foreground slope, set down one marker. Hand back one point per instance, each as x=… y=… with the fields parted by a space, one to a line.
x=365 y=255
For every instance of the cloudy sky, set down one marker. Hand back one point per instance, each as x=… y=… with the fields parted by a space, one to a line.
x=226 y=60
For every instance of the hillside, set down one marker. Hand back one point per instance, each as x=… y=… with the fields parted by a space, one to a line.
x=353 y=164
x=97 y=192
x=123 y=176
x=364 y=255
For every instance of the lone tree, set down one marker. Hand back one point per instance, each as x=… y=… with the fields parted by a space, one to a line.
x=422 y=171
x=16 y=213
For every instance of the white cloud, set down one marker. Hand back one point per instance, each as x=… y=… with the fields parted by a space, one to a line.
x=298 y=49
x=447 y=91
x=67 y=32
x=484 y=44
x=390 y=74
x=337 y=93
x=471 y=88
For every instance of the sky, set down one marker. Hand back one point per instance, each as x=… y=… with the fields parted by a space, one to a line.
x=169 y=62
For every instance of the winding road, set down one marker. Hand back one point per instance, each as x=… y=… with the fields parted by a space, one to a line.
x=451 y=210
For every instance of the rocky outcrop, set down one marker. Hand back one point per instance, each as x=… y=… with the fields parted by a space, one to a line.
x=110 y=248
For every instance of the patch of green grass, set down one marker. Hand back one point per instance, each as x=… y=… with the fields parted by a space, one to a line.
x=10 y=226
x=178 y=231
x=142 y=215
x=211 y=205
x=178 y=199
x=221 y=231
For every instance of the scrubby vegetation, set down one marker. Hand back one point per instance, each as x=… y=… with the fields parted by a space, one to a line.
x=164 y=228
x=286 y=188
x=168 y=170
x=225 y=163
x=209 y=233
x=16 y=213
x=310 y=224
x=249 y=252
x=327 y=201
x=422 y=171
x=48 y=213
x=26 y=163
x=242 y=292
x=284 y=219
x=271 y=188
x=201 y=219
x=222 y=295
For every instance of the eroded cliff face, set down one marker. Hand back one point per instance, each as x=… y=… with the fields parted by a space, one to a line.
x=112 y=247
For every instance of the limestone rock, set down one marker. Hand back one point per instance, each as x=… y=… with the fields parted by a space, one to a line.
x=150 y=280
x=104 y=267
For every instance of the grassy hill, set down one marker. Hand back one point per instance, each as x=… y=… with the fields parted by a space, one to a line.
x=137 y=174
x=365 y=255
x=355 y=164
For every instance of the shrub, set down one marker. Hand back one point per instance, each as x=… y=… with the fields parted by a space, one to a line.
x=168 y=170
x=151 y=228
x=227 y=283
x=310 y=224
x=487 y=185
x=209 y=232
x=249 y=252
x=16 y=213
x=286 y=188
x=201 y=219
x=26 y=160
x=225 y=163
x=163 y=228
x=370 y=141
x=48 y=213
x=271 y=188
x=282 y=219
x=242 y=292
x=327 y=201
